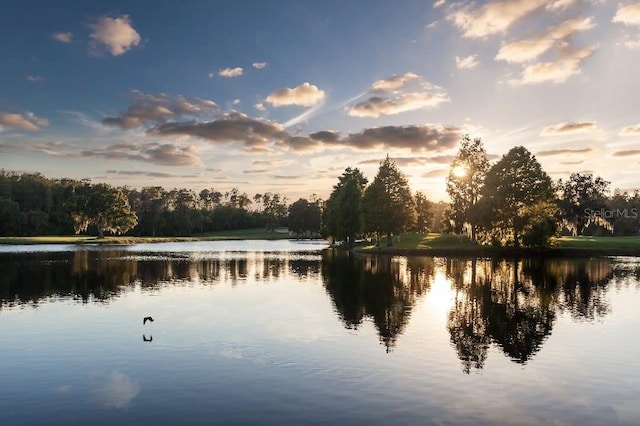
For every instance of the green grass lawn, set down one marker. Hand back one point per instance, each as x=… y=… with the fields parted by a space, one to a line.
x=244 y=234
x=422 y=241
x=412 y=241
x=599 y=243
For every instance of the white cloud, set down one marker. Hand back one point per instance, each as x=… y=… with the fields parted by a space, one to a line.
x=377 y=106
x=236 y=102
x=259 y=65
x=115 y=34
x=259 y=106
x=493 y=17
x=633 y=130
x=304 y=95
x=395 y=82
x=468 y=62
x=560 y=5
x=530 y=49
x=398 y=94
x=62 y=37
x=159 y=108
x=438 y=3
x=569 y=127
x=25 y=122
x=559 y=71
x=628 y=15
x=33 y=78
x=230 y=72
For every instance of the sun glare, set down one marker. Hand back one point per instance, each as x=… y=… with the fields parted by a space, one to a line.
x=459 y=171
x=441 y=295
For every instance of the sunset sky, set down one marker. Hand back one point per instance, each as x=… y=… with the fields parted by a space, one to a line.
x=282 y=96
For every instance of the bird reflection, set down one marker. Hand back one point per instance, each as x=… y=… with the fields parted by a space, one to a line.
x=144 y=338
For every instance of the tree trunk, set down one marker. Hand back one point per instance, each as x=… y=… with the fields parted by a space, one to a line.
x=389 y=239
x=100 y=232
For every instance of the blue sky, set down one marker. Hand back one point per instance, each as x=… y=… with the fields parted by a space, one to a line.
x=282 y=96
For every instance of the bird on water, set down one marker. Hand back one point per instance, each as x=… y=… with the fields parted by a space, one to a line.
x=145 y=319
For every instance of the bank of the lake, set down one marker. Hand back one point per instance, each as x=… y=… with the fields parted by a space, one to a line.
x=432 y=244
x=453 y=245
x=243 y=234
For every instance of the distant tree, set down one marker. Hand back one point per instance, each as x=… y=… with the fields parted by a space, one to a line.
x=10 y=219
x=342 y=214
x=440 y=217
x=424 y=213
x=580 y=195
x=387 y=204
x=101 y=205
x=464 y=184
x=516 y=189
x=304 y=216
x=627 y=207
x=275 y=209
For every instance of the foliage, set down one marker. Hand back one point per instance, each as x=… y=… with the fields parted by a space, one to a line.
x=342 y=214
x=464 y=184
x=387 y=204
x=101 y=205
x=579 y=195
x=305 y=217
x=424 y=213
x=512 y=187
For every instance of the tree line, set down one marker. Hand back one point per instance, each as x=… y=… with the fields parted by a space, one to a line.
x=512 y=202
x=31 y=204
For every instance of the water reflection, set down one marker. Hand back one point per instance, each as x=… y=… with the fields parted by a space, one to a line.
x=382 y=288
x=510 y=304
x=502 y=303
x=84 y=275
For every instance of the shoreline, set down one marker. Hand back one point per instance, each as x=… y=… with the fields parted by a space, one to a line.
x=500 y=252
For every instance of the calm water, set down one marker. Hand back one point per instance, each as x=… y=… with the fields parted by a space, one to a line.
x=280 y=333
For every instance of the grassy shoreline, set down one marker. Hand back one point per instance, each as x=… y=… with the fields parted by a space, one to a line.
x=405 y=244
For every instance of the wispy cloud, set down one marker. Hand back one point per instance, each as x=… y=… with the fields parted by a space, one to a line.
x=569 y=127
x=633 y=130
x=565 y=151
x=398 y=94
x=528 y=50
x=467 y=62
x=395 y=82
x=567 y=65
x=62 y=37
x=116 y=35
x=26 y=121
x=493 y=17
x=259 y=65
x=34 y=78
x=160 y=108
x=626 y=153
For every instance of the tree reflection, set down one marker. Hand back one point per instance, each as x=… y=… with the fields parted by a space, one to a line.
x=513 y=303
x=100 y=275
x=382 y=288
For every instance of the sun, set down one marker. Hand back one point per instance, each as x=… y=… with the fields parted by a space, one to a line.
x=459 y=171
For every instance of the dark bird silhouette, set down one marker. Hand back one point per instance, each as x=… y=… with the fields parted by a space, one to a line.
x=145 y=319
x=150 y=339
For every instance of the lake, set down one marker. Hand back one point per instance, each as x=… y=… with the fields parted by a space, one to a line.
x=280 y=332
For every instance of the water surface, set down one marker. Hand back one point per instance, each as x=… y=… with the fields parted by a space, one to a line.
x=284 y=334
